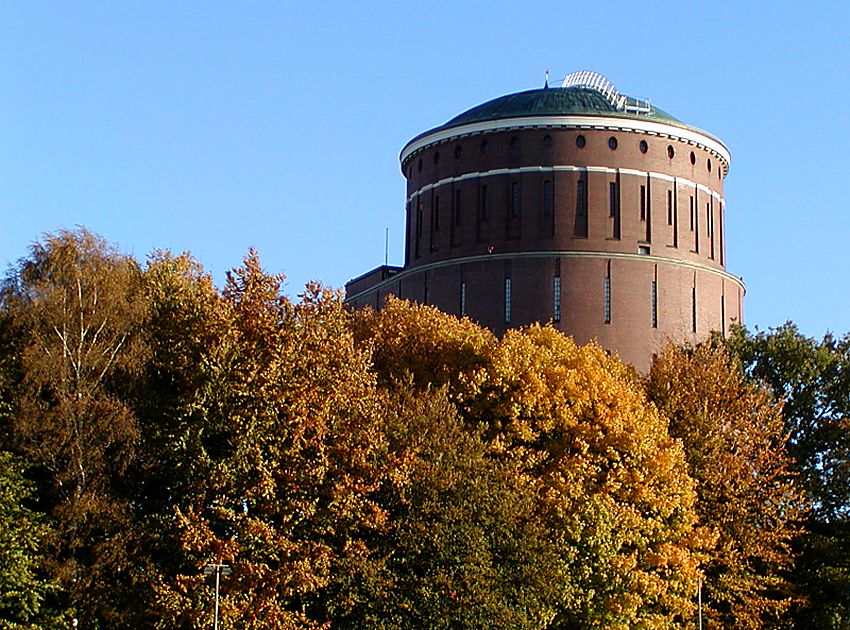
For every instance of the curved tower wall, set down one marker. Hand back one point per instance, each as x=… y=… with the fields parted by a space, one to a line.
x=611 y=228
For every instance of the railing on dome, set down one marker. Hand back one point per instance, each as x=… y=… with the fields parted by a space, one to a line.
x=595 y=81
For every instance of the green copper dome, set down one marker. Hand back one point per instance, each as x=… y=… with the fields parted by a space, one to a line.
x=554 y=102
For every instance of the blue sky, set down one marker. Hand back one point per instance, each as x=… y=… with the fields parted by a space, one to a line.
x=214 y=127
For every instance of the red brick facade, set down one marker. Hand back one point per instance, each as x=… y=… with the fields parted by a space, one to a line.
x=610 y=228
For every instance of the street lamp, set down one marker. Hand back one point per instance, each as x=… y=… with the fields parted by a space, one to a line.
x=219 y=569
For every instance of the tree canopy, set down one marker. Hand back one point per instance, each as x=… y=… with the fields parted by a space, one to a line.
x=388 y=469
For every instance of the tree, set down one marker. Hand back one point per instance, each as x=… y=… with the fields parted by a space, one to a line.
x=463 y=545
x=812 y=379
x=76 y=310
x=734 y=440
x=608 y=486
x=616 y=496
x=285 y=499
x=26 y=593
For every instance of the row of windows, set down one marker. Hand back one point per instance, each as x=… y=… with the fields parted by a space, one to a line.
x=547 y=215
x=606 y=300
x=548 y=143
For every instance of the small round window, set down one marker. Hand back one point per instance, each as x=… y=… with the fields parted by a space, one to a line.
x=458 y=151
x=612 y=143
x=644 y=147
x=693 y=158
x=547 y=142
x=580 y=142
x=670 y=151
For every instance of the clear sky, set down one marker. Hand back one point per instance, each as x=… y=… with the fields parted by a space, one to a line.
x=212 y=127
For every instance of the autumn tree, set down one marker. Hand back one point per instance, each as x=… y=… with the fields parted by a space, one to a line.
x=609 y=487
x=812 y=379
x=734 y=439
x=463 y=545
x=76 y=309
x=285 y=497
x=420 y=343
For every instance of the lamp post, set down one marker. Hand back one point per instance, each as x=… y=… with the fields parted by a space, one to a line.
x=219 y=569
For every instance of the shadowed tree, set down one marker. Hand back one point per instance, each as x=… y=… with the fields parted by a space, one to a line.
x=76 y=309
x=812 y=379
x=734 y=440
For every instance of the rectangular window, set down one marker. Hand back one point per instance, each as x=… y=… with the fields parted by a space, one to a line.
x=462 y=299
x=548 y=198
x=507 y=300
x=436 y=212
x=692 y=213
x=643 y=203
x=643 y=250
x=580 y=229
x=607 y=297
x=418 y=227
x=514 y=199
x=694 y=308
x=669 y=207
x=556 y=298
x=457 y=207
x=614 y=211
x=654 y=304
x=482 y=204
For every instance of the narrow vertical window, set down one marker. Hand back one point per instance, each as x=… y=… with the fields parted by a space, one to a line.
x=580 y=229
x=612 y=199
x=669 y=207
x=556 y=298
x=514 y=199
x=614 y=202
x=606 y=295
x=692 y=213
x=418 y=226
x=435 y=222
x=458 y=200
x=409 y=223
x=643 y=203
x=547 y=221
x=462 y=299
x=482 y=209
x=723 y=313
x=507 y=300
x=548 y=198
x=648 y=210
x=694 y=308
x=710 y=212
x=675 y=215
x=654 y=298
x=720 y=229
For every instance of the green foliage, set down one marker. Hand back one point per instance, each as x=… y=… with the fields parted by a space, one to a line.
x=734 y=440
x=812 y=379
x=26 y=593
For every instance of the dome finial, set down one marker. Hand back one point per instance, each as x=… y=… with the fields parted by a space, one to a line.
x=546 y=81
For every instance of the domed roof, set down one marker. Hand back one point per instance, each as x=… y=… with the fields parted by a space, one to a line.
x=556 y=102
x=582 y=94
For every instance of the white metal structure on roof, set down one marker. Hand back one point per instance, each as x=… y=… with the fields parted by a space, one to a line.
x=595 y=81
